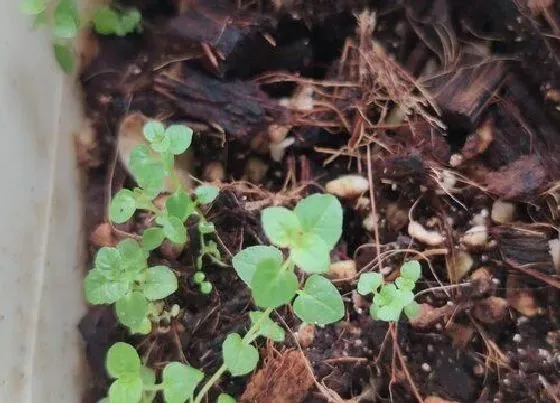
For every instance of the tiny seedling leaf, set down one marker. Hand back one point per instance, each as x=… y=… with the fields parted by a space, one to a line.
x=206 y=194
x=321 y=214
x=101 y=290
x=387 y=294
x=412 y=310
x=273 y=285
x=389 y=313
x=267 y=327
x=132 y=309
x=311 y=254
x=404 y=297
x=160 y=283
x=225 y=398
x=65 y=20
x=411 y=270
x=179 y=382
x=280 y=225
x=149 y=173
x=130 y=22
x=240 y=358
x=33 y=7
x=152 y=238
x=126 y=390
x=105 y=20
x=122 y=361
x=133 y=258
x=405 y=283
x=64 y=56
x=108 y=259
x=148 y=377
x=179 y=205
x=319 y=302
x=122 y=206
x=144 y=328
x=369 y=283
x=174 y=230
x=180 y=138
x=154 y=130
x=246 y=261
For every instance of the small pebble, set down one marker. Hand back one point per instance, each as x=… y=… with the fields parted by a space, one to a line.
x=517 y=338
x=426 y=367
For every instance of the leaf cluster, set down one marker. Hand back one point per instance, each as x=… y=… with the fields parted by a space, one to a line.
x=64 y=21
x=390 y=300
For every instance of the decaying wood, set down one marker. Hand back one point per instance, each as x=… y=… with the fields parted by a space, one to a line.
x=237 y=107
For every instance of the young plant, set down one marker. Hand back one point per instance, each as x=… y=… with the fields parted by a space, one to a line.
x=63 y=20
x=133 y=382
x=151 y=166
x=390 y=300
x=121 y=276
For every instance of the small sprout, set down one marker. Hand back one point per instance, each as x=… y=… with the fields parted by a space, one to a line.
x=198 y=277
x=205 y=288
x=239 y=357
x=108 y=21
x=392 y=299
x=206 y=194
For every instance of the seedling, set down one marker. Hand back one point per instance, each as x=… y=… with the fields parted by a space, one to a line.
x=135 y=383
x=64 y=23
x=151 y=166
x=390 y=300
x=121 y=276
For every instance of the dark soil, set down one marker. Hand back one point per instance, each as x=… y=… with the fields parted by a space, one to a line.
x=480 y=84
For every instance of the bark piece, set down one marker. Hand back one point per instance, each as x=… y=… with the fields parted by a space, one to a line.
x=523 y=178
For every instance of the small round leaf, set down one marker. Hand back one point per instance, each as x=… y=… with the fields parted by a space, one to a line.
x=246 y=261
x=108 y=259
x=179 y=205
x=33 y=7
x=321 y=214
x=240 y=358
x=132 y=309
x=152 y=238
x=412 y=310
x=225 y=398
x=126 y=390
x=369 y=283
x=174 y=230
x=389 y=313
x=101 y=290
x=411 y=270
x=122 y=206
x=179 y=382
x=267 y=327
x=153 y=130
x=160 y=283
x=281 y=226
x=272 y=285
x=64 y=56
x=206 y=193
x=180 y=138
x=105 y=20
x=311 y=254
x=122 y=361
x=319 y=302
x=405 y=283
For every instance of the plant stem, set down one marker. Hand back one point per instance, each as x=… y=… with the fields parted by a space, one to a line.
x=248 y=338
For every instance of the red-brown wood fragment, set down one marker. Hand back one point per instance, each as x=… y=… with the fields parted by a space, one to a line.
x=523 y=178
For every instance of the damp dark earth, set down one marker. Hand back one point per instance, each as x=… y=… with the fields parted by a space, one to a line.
x=437 y=126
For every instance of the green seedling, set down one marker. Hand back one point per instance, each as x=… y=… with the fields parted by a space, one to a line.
x=390 y=300
x=151 y=166
x=63 y=20
x=134 y=383
x=121 y=276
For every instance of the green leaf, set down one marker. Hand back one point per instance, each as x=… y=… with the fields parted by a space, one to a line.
x=412 y=310
x=152 y=238
x=174 y=230
x=206 y=227
x=108 y=259
x=411 y=270
x=64 y=56
x=240 y=358
x=180 y=138
x=404 y=297
x=160 y=283
x=154 y=131
x=405 y=283
x=311 y=254
x=267 y=327
x=225 y=398
x=321 y=214
x=122 y=206
x=32 y=7
x=122 y=361
x=130 y=21
x=140 y=158
x=179 y=205
x=132 y=309
x=65 y=20
x=387 y=295
x=148 y=377
x=133 y=257
x=206 y=194
x=273 y=285
x=179 y=382
x=126 y=390
x=373 y=311
x=246 y=261
x=369 y=283
x=39 y=20
x=319 y=302
x=105 y=20
x=389 y=313
x=281 y=226
x=144 y=328
x=101 y=290
x=149 y=173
